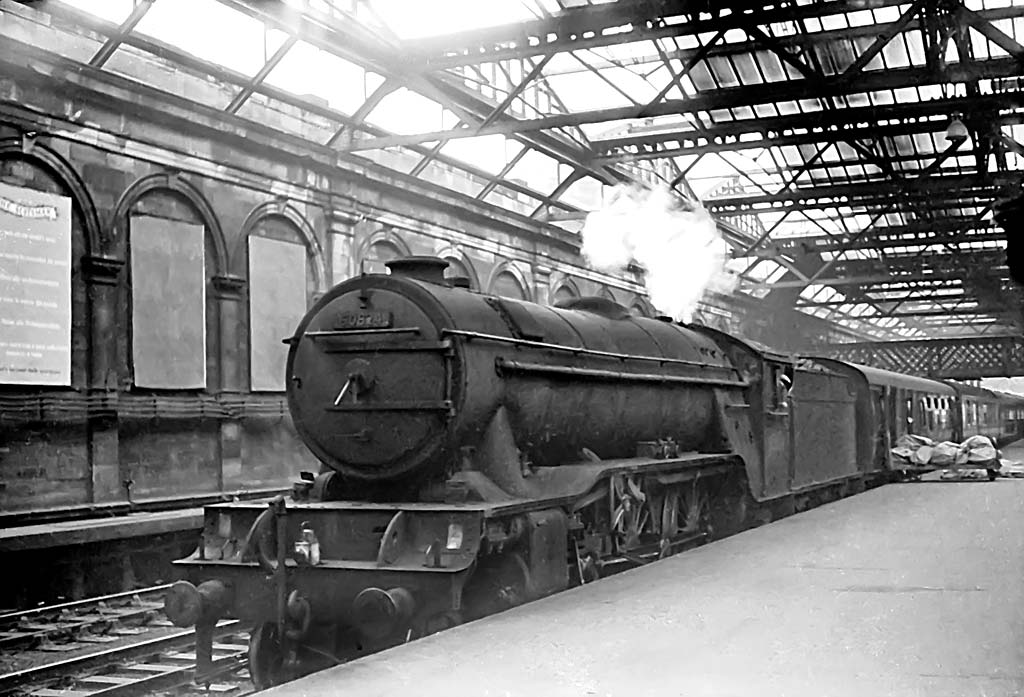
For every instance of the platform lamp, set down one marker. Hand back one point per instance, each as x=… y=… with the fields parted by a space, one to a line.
x=956 y=131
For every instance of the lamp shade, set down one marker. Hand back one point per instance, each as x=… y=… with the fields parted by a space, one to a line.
x=956 y=131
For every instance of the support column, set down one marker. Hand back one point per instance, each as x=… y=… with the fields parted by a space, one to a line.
x=230 y=294
x=102 y=275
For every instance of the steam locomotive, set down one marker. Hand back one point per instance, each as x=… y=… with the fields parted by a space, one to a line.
x=481 y=452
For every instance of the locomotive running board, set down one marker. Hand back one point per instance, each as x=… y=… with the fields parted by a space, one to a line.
x=561 y=486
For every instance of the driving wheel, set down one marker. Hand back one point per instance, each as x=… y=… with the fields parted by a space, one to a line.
x=266 y=657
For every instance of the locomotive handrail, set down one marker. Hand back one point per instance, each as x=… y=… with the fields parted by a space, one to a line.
x=409 y=346
x=351 y=332
x=569 y=371
x=424 y=405
x=579 y=350
x=329 y=333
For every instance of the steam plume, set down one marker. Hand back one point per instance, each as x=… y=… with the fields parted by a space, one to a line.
x=681 y=251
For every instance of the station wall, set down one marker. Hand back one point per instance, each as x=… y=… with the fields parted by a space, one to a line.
x=106 y=438
x=120 y=149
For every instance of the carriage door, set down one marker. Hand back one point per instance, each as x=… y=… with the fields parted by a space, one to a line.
x=883 y=434
x=778 y=461
x=905 y=421
x=892 y=416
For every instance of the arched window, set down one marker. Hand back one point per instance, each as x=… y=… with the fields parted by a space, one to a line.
x=172 y=258
x=641 y=307
x=378 y=254
x=283 y=281
x=58 y=318
x=459 y=269
x=506 y=285
x=564 y=293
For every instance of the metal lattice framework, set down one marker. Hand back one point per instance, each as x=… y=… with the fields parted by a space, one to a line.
x=814 y=131
x=971 y=358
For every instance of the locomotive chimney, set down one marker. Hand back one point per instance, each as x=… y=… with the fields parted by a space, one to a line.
x=426 y=269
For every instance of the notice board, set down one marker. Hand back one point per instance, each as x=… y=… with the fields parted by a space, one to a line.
x=168 y=265
x=35 y=287
x=277 y=301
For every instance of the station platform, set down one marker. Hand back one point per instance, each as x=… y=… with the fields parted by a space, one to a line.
x=22 y=531
x=908 y=589
x=78 y=532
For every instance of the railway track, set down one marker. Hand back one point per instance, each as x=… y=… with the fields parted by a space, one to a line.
x=115 y=646
x=57 y=627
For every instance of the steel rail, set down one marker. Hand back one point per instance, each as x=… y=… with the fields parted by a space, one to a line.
x=19 y=615
x=57 y=669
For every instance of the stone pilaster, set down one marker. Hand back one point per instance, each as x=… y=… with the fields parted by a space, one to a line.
x=342 y=244
x=542 y=283
x=230 y=292
x=102 y=275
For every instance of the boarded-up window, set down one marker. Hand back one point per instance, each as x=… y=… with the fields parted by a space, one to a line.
x=457 y=269
x=377 y=255
x=563 y=294
x=35 y=287
x=168 y=270
x=277 y=301
x=508 y=286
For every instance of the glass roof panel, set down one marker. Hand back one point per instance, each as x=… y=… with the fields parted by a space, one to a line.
x=302 y=72
x=115 y=11
x=583 y=91
x=536 y=170
x=586 y=194
x=489 y=153
x=175 y=23
x=417 y=20
x=405 y=111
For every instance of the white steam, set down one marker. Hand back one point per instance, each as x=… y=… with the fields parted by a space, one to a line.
x=681 y=251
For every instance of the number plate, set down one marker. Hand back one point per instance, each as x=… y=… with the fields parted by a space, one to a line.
x=363 y=320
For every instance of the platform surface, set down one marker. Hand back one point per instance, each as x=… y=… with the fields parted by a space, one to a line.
x=75 y=532
x=909 y=589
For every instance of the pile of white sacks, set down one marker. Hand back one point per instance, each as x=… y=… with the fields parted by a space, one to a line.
x=918 y=451
x=969 y=459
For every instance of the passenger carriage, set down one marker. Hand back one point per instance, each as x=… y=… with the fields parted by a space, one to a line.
x=891 y=405
x=997 y=415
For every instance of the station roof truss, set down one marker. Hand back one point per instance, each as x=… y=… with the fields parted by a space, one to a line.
x=815 y=131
